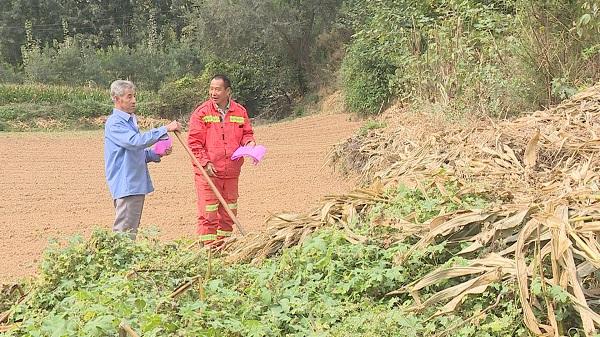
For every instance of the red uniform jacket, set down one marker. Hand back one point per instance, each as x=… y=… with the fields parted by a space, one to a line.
x=211 y=139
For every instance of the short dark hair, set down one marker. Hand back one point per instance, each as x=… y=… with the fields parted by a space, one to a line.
x=224 y=78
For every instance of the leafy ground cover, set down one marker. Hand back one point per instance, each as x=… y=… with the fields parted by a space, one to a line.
x=326 y=286
x=54 y=107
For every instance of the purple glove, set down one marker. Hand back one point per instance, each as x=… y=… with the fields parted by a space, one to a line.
x=160 y=148
x=255 y=152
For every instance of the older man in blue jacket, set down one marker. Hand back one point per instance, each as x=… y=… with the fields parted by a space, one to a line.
x=126 y=154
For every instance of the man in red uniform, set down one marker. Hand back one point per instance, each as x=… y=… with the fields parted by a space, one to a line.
x=217 y=128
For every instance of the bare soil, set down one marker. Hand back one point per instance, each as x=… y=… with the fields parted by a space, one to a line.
x=53 y=186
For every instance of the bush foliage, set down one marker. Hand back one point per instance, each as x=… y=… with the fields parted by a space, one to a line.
x=476 y=57
x=481 y=57
x=326 y=286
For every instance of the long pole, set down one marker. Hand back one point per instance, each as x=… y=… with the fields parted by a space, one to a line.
x=211 y=184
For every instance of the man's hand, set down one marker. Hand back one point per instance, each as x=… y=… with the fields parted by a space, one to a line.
x=173 y=126
x=168 y=151
x=251 y=143
x=210 y=169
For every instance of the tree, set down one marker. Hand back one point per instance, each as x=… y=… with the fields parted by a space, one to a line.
x=274 y=39
x=100 y=23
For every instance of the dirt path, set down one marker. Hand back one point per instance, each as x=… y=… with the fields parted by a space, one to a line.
x=53 y=185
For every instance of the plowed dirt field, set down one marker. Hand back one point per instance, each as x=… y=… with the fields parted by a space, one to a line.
x=53 y=186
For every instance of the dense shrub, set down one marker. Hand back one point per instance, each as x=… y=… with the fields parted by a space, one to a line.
x=558 y=47
x=74 y=63
x=470 y=57
x=8 y=74
x=178 y=98
x=365 y=77
x=50 y=94
x=34 y=106
x=253 y=85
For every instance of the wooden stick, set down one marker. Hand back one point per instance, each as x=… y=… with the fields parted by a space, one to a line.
x=125 y=330
x=211 y=184
x=16 y=287
x=182 y=288
x=5 y=315
x=7 y=328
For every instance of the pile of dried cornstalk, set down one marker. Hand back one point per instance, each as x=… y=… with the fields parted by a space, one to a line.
x=542 y=168
x=287 y=230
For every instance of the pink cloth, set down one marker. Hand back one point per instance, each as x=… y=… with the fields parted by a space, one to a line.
x=162 y=145
x=255 y=152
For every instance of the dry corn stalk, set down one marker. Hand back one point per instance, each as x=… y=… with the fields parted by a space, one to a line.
x=287 y=230
x=542 y=168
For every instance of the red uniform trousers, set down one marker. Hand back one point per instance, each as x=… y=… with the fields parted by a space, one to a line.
x=213 y=221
